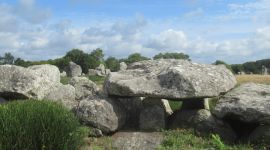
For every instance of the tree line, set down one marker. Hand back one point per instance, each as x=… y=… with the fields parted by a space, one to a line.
x=96 y=57
x=89 y=60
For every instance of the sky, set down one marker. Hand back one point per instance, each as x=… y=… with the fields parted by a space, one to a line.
x=206 y=30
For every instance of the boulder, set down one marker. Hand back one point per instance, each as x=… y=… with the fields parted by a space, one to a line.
x=261 y=135
x=25 y=83
x=51 y=71
x=63 y=74
x=73 y=70
x=137 y=140
x=203 y=122
x=102 y=113
x=83 y=87
x=248 y=103
x=107 y=71
x=100 y=70
x=123 y=66
x=170 y=79
x=92 y=72
x=152 y=118
x=63 y=94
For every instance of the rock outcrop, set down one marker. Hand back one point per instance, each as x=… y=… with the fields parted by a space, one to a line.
x=170 y=79
x=123 y=66
x=73 y=70
x=52 y=72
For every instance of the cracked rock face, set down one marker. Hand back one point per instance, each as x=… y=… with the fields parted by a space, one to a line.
x=248 y=103
x=170 y=79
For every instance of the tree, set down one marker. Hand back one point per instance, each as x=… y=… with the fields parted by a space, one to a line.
x=7 y=59
x=135 y=57
x=21 y=62
x=112 y=63
x=171 y=56
x=80 y=58
x=96 y=57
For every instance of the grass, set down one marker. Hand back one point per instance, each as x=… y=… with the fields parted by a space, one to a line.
x=262 y=79
x=96 y=79
x=98 y=143
x=186 y=139
x=64 y=80
x=175 y=105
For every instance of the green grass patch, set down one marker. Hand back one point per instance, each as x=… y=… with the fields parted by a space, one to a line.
x=97 y=79
x=175 y=105
x=65 y=80
x=186 y=139
x=40 y=125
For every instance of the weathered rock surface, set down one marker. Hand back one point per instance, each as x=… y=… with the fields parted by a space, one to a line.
x=133 y=107
x=63 y=94
x=73 y=70
x=94 y=132
x=102 y=113
x=203 y=122
x=23 y=83
x=52 y=72
x=248 y=103
x=152 y=118
x=123 y=66
x=170 y=79
x=163 y=103
x=137 y=140
x=83 y=87
x=261 y=135
x=63 y=74
x=100 y=70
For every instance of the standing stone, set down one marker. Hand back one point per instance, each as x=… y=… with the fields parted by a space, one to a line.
x=163 y=103
x=170 y=79
x=102 y=113
x=83 y=87
x=152 y=118
x=100 y=70
x=264 y=70
x=107 y=71
x=73 y=70
x=123 y=66
x=249 y=102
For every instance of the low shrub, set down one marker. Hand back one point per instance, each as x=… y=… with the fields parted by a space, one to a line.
x=33 y=125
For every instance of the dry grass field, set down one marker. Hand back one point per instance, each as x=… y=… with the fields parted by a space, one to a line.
x=263 y=79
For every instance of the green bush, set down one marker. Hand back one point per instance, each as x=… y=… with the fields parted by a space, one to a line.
x=33 y=125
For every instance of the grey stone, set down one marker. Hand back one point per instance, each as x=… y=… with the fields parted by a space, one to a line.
x=73 y=70
x=163 y=103
x=102 y=113
x=204 y=123
x=248 y=103
x=152 y=118
x=100 y=70
x=24 y=83
x=170 y=79
x=261 y=135
x=92 y=72
x=107 y=71
x=63 y=94
x=63 y=74
x=52 y=72
x=94 y=132
x=83 y=87
x=123 y=66
x=137 y=140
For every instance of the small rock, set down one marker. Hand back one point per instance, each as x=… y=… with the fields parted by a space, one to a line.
x=123 y=66
x=73 y=70
x=83 y=87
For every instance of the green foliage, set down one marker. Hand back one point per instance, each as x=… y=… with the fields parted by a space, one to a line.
x=8 y=58
x=220 y=62
x=36 y=124
x=237 y=68
x=64 y=80
x=175 y=105
x=97 y=79
x=112 y=63
x=135 y=58
x=186 y=139
x=171 y=56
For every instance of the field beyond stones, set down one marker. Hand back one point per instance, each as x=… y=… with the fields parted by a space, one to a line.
x=262 y=79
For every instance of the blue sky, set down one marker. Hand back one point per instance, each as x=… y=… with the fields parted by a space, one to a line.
x=207 y=30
